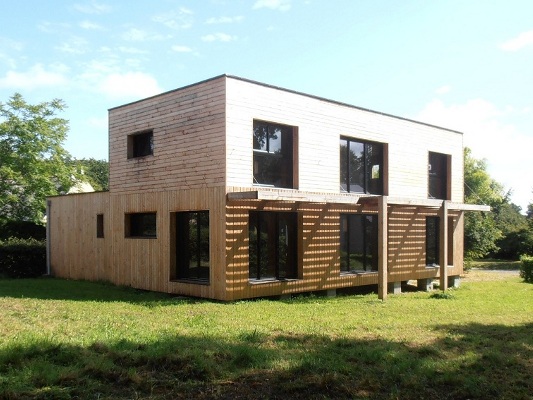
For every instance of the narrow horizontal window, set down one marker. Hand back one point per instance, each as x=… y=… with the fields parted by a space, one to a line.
x=141 y=225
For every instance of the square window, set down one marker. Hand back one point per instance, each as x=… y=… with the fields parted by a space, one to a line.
x=141 y=144
x=141 y=225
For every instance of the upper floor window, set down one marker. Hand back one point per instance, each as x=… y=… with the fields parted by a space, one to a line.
x=274 y=147
x=141 y=144
x=361 y=166
x=438 y=176
x=141 y=225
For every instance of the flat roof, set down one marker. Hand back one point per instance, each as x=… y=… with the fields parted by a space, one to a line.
x=288 y=91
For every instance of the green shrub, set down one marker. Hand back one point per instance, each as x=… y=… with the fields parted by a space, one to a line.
x=22 y=229
x=22 y=258
x=526 y=268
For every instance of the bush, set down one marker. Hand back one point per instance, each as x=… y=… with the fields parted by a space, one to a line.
x=526 y=268
x=22 y=229
x=22 y=258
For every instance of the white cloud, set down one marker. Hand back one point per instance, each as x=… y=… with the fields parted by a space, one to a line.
x=181 y=19
x=99 y=123
x=129 y=85
x=93 y=8
x=90 y=26
x=218 y=37
x=139 y=35
x=131 y=50
x=224 y=20
x=281 y=5
x=519 y=42
x=181 y=49
x=443 y=90
x=505 y=146
x=75 y=45
x=34 y=78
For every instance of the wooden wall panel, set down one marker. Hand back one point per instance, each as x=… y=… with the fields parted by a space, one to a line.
x=188 y=131
x=320 y=124
x=143 y=263
x=319 y=247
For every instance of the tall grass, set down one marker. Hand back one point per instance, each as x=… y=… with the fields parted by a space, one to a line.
x=64 y=339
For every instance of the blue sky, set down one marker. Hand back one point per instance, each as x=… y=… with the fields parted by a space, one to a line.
x=465 y=65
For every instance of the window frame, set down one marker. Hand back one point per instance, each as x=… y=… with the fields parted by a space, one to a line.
x=135 y=224
x=183 y=246
x=443 y=175
x=432 y=241
x=344 y=167
x=99 y=226
x=369 y=245
x=140 y=144
x=290 y=270
x=287 y=172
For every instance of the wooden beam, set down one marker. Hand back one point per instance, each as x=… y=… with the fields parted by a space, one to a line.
x=382 y=248
x=443 y=248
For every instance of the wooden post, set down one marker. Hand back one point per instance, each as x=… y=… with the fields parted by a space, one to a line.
x=382 y=248
x=443 y=248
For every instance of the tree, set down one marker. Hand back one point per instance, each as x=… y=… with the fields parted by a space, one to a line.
x=96 y=172
x=33 y=162
x=481 y=230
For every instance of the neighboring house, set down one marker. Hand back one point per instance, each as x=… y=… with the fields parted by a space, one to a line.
x=231 y=189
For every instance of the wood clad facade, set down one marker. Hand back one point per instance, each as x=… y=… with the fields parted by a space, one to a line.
x=201 y=158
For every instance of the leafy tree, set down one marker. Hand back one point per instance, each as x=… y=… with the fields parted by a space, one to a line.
x=481 y=229
x=96 y=172
x=33 y=162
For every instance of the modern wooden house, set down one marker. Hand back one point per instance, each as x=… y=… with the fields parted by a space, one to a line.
x=230 y=189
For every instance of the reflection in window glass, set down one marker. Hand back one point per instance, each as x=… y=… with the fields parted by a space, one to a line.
x=273 y=154
x=359 y=243
x=361 y=166
x=141 y=225
x=437 y=176
x=192 y=247
x=272 y=245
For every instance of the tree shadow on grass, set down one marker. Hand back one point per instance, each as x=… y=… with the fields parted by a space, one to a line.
x=470 y=362
x=62 y=289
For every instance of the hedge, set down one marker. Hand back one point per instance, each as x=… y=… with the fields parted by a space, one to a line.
x=526 y=268
x=22 y=258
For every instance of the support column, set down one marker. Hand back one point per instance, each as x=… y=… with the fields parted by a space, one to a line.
x=382 y=247
x=443 y=248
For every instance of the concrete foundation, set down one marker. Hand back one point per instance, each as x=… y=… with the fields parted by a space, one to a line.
x=425 y=284
x=394 y=287
x=454 y=281
x=331 y=293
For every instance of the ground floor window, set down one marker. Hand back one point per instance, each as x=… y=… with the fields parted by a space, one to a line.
x=192 y=245
x=432 y=241
x=359 y=243
x=140 y=225
x=273 y=245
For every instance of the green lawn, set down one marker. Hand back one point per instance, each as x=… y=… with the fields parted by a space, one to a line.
x=62 y=339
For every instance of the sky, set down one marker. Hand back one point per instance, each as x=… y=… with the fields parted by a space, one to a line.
x=463 y=65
